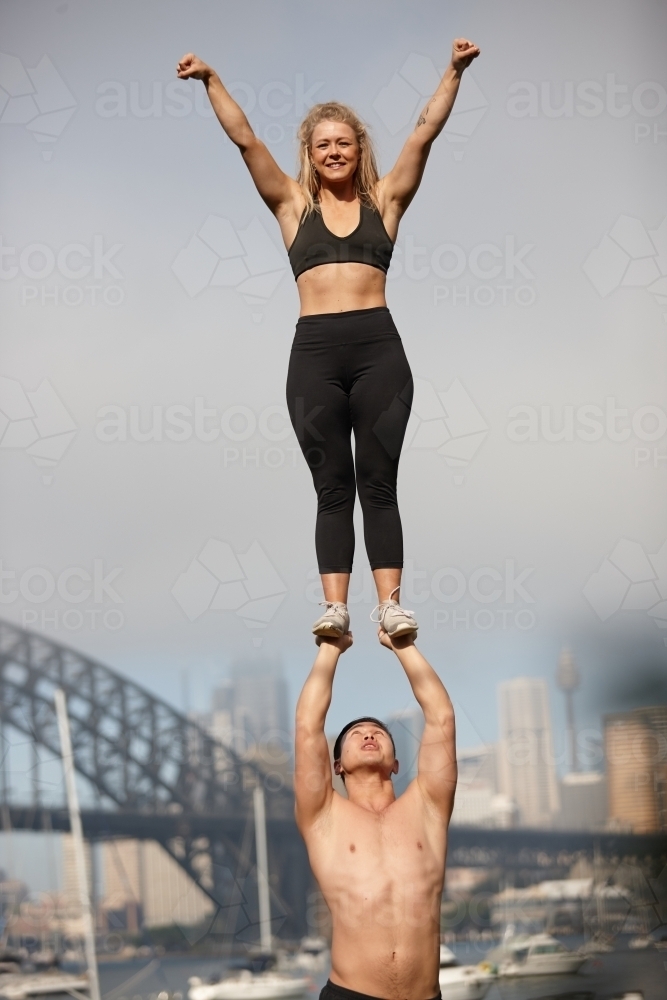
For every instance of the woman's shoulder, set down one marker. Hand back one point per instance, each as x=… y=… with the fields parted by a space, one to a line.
x=385 y=209
x=380 y=195
x=294 y=209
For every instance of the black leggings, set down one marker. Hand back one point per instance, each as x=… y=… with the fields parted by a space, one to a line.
x=348 y=372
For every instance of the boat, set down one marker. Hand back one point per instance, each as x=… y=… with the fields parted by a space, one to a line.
x=640 y=942
x=535 y=955
x=463 y=982
x=659 y=939
x=466 y=982
x=44 y=959
x=247 y=985
x=596 y=946
x=447 y=957
x=313 y=955
x=22 y=985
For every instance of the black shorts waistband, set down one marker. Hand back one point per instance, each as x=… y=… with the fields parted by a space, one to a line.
x=331 y=991
x=354 y=326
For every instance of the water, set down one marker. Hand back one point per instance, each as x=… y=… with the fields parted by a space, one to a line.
x=603 y=977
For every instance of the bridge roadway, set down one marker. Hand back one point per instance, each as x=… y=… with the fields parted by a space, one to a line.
x=518 y=849
x=221 y=846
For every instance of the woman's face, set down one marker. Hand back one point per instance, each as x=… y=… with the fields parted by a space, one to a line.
x=335 y=151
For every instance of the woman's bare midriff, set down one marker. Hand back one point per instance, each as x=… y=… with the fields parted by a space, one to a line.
x=340 y=287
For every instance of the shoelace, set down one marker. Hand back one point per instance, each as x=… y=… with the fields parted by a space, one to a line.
x=395 y=609
x=332 y=604
x=389 y=606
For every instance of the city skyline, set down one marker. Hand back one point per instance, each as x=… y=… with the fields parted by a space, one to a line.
x=479 y=781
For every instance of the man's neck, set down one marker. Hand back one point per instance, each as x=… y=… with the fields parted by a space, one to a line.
x=370 y=791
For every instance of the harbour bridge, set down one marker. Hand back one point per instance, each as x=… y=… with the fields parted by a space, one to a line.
x=158 y=775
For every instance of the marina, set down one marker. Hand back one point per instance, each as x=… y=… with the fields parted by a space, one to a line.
x=466 y=974
x=602 y=977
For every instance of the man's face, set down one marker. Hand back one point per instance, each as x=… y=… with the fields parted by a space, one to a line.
x=367 y=745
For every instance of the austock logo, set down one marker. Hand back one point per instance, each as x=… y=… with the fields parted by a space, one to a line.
x=36 y=422
x=37 y=98
x=630 y=579
x=85 y=591
x=42 y=270
x=629 y=256
x=219 y=579
x=416 y=81
x=283 y=103
x=591 y=99
x=218 y=256
x=448 y=423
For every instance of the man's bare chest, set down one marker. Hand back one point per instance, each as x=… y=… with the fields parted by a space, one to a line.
x=359 y=850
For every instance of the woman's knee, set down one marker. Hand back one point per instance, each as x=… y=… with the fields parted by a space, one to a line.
x=334 y=498
x=375 y=492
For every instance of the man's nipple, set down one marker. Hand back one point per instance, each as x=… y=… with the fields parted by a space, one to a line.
x=352 y=848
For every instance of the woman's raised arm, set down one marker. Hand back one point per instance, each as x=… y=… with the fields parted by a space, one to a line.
x=400 y=185
x=274 y=185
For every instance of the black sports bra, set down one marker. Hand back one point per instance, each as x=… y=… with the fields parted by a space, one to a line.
x=314 y=244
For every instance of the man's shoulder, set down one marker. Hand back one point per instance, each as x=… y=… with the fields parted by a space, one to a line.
x=325 y=819
x=414 y=802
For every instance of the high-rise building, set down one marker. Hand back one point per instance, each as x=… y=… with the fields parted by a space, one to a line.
x=406 y=727
x=478 y=765
x=475 y=801
x=251 y=707
x=526 y=765
x=635 y=745
x=124 y=886
x=583 y=796
x=143 y=885
x=568 y=680
x=250 y=715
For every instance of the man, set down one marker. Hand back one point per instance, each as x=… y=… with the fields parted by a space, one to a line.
x=379 y=860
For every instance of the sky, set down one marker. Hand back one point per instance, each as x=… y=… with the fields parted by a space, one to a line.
x=148 y=311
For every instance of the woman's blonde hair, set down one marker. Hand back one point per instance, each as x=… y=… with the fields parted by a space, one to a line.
x=366 y=175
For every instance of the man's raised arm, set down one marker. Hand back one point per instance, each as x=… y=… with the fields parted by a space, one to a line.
x=437 y=771
x=313 y=787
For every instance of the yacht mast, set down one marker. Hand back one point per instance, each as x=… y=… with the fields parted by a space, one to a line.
x=77 y=838
x=262 y=868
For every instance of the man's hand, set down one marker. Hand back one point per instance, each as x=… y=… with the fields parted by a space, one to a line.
x=191 y=67
x=463 y=53
x=400 y=642
x=341 y=644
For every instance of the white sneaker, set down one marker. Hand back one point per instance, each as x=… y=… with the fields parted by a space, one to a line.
x=335 y=621
x=394 y=619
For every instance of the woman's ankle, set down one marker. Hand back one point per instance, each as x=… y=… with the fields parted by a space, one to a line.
x=335 y=587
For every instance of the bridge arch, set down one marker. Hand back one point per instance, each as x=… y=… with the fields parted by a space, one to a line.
x=145 y=760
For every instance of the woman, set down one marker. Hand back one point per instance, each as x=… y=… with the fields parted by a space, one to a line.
x=348 y=371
